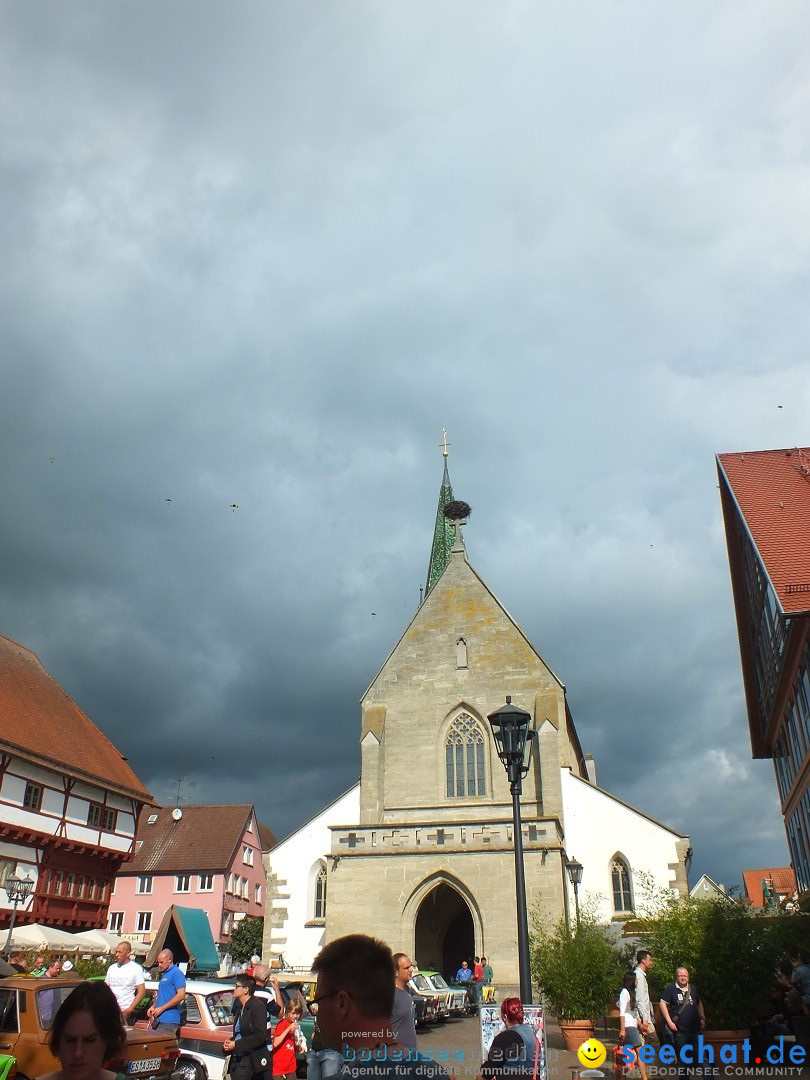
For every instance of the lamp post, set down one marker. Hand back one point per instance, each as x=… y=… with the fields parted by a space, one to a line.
x=513 y=739
x=574 y=869
x=18 y=890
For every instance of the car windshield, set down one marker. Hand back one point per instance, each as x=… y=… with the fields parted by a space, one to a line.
x=439 y=983
x=219 y=1005
x=48 y=1001
x=421 y=983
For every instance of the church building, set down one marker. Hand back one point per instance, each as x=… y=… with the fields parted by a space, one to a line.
x=426 y=860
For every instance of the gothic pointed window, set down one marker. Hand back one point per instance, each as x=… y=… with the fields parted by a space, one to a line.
x=464 y=759
x=620 y=879
x=320 y=894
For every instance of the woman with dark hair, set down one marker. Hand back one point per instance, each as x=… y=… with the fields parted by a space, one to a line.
x=248 y=1047
x=629 y=1034
x=86 y=1031
x=513 y=1052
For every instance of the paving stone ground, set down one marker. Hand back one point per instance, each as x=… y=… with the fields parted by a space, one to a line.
x=456 y=1044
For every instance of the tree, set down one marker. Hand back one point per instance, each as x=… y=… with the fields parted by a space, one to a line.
x=246 y=938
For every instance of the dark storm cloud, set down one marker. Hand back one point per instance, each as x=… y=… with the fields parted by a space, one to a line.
x=259 y=256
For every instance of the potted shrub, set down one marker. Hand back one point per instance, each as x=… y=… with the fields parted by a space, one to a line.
x=730 y=950
x=579 y=973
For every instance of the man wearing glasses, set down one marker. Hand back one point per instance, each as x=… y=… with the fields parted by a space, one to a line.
x=402 y=1019
x=354 y=996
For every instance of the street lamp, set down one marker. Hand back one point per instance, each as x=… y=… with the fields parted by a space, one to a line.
x=574 y=869
x=18 y=890
x=513 y=739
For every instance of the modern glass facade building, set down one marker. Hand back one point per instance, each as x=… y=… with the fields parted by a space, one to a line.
x=765 y=497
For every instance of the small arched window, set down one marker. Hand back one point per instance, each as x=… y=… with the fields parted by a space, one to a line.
x=620 y=879
x=461 y=653
x=464 y=759
x=320 y=894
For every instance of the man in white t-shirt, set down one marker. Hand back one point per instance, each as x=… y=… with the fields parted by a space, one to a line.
x=125 y=979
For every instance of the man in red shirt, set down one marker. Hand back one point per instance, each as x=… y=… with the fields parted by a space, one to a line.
x=477 y=982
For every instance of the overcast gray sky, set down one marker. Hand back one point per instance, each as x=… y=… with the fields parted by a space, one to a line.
x=260 y=253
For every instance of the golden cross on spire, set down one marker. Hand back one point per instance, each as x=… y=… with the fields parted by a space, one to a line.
x=444 y=443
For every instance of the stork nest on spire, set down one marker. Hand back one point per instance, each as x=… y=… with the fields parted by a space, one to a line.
x=457 y=510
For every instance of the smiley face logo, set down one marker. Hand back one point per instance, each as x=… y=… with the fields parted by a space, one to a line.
x=592 y=1054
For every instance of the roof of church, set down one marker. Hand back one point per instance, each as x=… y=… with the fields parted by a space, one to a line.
x=41 y=723
x=443 y=534
x=772 y=491
x=204 y=838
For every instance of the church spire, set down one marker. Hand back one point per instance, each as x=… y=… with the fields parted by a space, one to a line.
x=443 y=532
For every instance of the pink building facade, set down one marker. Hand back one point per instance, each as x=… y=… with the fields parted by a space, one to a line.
x=206 y=857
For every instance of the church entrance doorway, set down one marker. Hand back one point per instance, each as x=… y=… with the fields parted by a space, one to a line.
x=444 y=931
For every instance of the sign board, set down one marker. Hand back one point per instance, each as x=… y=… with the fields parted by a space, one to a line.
x=491 y=1025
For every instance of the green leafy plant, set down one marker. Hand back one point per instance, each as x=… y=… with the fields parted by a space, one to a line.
x=580 y=971
x=731 y=952
x=246 y=938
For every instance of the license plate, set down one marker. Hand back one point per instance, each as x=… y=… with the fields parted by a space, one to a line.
x=148 y=1065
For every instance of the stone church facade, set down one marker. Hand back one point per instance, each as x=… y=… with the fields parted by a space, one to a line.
x=428 y=866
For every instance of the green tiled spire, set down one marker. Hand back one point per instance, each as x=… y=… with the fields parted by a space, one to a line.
x=443 y=533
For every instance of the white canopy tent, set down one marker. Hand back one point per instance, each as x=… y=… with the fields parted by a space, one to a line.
x=107 y=942
x=49 y=939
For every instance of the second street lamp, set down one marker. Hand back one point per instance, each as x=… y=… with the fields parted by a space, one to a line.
x=17 y=890
x=513 y=739
x=574 y=869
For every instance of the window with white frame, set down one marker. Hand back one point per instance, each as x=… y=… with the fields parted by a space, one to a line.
x=247 y=855
x=144 y=883
x=206 y=883
x=115 y=922
x=257 y=895
x=182 y=883
x=143 y=922
x=101 y=817
x=32 y=799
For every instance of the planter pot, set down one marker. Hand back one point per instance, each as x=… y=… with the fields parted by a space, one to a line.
x=576 y=1032
x=716 y=1039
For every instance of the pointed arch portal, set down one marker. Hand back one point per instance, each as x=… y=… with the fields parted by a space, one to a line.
x=444 y=932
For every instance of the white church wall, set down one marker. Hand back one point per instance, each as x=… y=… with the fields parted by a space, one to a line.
x=292 y=929
x=598 y=827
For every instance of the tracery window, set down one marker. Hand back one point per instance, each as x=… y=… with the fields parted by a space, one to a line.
x=464 y=758
x=622 y=892
x=320 y=894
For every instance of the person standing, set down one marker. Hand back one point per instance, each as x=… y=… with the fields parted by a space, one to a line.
x=285 y=1038
x=514 y=1051
x=402 y=1018
x=489 y=974
x=644 y=962
x=86 y=1031
x=464 y=975
x=125 y=979
x=355 y=998
x=248 y=1044
x=165 y=1012
x=629 y=1035
x=682 y=1012
x=477 y=982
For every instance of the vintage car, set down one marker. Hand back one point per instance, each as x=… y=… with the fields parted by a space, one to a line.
x=208 y=1023
x=27 y=1007
x=455 y=998
x=434 y=1008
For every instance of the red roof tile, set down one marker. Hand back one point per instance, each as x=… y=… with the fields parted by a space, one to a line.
x=772 y=490
x=783 y=877
x=204 y=838
x=39 y=722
